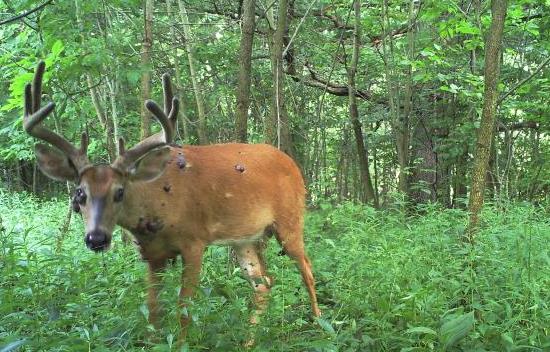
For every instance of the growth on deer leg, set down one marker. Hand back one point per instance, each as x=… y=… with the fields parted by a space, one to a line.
x=251 y=261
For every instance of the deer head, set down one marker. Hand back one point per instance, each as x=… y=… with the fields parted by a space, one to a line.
x=99 y=195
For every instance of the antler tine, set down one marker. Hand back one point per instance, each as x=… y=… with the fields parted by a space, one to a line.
x=37 y=85
x=128 y=157
x=162 y=118
x=167 y=119
x=173 y=115
x=168 y=95
x=34 y=115
x=120 y=146
x=171 y=106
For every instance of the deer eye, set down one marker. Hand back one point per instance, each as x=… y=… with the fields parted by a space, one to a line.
x=79 y=196
x=119 y=194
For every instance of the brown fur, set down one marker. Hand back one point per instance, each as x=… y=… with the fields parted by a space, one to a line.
x=226 y=193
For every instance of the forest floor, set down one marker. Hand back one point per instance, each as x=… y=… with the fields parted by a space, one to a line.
x=386 y=282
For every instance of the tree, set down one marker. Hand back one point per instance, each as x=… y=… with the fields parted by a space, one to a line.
x=197 y=87
x=493 y=49
x=245 y=62
x=277 y=125
x=146 y=66
x=369 y=195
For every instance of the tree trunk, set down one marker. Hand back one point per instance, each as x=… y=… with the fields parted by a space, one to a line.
x=182 y=111
x=146 y=66
x=402 y=126
x=277 y=125
x=245 y=61
x=369 y=196
x=197 y=88
x=493 y=47
x=423 y=177
x=104 y=121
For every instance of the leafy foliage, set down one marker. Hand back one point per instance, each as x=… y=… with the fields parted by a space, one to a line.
x=386 y=281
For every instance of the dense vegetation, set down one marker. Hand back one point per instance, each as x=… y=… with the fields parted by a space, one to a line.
x=384 y=105
x=386 y=281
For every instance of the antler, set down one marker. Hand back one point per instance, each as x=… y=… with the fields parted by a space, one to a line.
x=168 y=120
x=34 y=115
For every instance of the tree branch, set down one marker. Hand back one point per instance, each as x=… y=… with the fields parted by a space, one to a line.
x=333 y=88
x=523 y=81
x=517 y=126
x=25 y=14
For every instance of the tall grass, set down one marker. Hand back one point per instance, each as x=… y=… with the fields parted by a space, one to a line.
x=386 y=282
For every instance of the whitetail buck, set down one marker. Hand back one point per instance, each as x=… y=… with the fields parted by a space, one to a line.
x=177 y=200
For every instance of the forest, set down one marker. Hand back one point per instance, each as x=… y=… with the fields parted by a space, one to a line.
x=421 y=129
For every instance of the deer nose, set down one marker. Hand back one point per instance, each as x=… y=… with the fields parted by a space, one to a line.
x=97 y=240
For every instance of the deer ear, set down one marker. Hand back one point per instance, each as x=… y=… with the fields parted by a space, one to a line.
x=151 y=166
x=55 y=164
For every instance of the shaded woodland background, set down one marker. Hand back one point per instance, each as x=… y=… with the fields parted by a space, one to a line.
x=416 y=81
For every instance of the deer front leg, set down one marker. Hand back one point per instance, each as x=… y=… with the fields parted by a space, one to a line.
x=156 y=267
x=192 y=260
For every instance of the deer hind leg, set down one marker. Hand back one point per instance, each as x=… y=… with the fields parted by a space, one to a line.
x=291 y=239
x=252 y=263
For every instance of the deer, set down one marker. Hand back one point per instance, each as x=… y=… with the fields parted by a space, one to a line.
x=177 y=200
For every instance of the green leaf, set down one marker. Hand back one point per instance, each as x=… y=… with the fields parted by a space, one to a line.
x=330 y=242
x=456 y=329
x=57 y=48
x=326 y=326
x=145 y=311
x=421 y=330
x=12 y=346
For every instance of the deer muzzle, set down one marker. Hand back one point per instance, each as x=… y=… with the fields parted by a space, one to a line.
x=97 y=240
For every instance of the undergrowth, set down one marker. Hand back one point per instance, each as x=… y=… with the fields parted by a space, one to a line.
x=386 y=281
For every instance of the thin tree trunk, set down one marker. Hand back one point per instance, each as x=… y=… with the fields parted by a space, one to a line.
x=177 y=73
x=146 y=66
x=402 y=128
x=104 y=120
x=369 y=196
x=401 y=136
x=245 y=61
x=113 y=89
x=201 y=111
x=493 y=48
x=277 y=126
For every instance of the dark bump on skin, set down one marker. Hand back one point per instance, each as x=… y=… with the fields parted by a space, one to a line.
x=153 y=226
x=240 y=168
x=167 y=188
x=181 y=161
x=147 y=228
x=162 y=204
